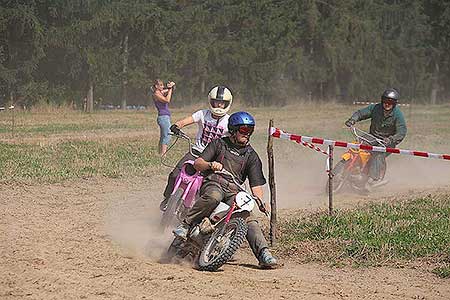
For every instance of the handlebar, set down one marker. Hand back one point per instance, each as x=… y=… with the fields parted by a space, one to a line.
x=178 y=135
x=257 y=200
x=366 y=138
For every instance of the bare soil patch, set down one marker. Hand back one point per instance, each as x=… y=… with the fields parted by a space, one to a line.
x=97 y=239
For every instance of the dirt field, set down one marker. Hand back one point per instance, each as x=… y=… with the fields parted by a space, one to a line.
x=97 y=238
x=90 y=239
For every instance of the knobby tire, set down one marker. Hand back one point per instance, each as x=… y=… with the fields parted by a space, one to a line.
x=227 y=252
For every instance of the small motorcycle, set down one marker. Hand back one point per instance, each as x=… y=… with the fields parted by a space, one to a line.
x=352 y=169
x=187 y=185
x=214 y=241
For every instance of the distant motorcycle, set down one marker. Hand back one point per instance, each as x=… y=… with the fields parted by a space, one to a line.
x=352 y=169
x=214 y=241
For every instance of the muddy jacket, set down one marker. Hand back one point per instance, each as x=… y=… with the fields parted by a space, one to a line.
x=383 y=124
x=243 y=162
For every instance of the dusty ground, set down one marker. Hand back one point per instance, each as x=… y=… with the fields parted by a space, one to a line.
x=92 y=239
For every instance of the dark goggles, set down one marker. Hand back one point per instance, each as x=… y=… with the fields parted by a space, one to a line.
x=246 y=130
x=389 y=101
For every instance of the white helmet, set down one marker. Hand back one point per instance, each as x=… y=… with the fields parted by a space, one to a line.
x=220 y=93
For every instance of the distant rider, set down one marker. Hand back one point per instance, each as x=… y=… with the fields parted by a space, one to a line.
x=387 y=123
x=212 y=124
x=236 y=155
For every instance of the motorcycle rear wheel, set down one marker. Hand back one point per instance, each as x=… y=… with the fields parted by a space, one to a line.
x=170 y=214
x=218 y=250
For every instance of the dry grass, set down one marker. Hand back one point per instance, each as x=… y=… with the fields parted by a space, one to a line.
x=428 y=130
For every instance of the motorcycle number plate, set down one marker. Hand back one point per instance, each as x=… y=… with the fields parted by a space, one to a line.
x=245 y=201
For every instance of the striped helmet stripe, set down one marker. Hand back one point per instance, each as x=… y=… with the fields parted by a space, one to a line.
x=220 y=92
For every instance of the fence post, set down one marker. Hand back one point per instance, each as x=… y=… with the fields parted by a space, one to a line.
x=13 y=121
x=330 y=180
x=273 y=197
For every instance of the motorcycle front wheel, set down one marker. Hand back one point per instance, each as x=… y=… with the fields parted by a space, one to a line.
x=220 y=248
x=339 y=177
x=170 y=214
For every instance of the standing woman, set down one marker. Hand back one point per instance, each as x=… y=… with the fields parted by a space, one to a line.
x=161 y=98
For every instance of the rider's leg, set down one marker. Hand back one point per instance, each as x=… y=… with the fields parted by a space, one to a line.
x=376 y=163
x=211 y=195
x=258 y=244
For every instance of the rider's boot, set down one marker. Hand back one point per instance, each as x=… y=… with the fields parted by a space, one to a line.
x=182 y=230
x=163 y=204
x=266 y=259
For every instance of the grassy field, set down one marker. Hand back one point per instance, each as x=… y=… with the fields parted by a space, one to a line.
x=49 y=147
x=57 y=145
x=377 y=234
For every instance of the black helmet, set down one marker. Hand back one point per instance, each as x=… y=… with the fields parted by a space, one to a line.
x=391 y=94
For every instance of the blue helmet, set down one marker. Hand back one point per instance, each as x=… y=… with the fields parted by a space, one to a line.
x=238 y=119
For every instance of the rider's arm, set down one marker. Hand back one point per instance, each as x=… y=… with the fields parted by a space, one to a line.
x=202 y=165
x=206 y=160
x=185 y=122
x=159 y=96
x=363 y=114
x=258 y=191
x=400 y=129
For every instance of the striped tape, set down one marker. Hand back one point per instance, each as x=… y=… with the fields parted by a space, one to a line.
x=278 y=133
x=368 y=103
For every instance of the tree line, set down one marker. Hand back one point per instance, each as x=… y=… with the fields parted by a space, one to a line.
x=269 y=52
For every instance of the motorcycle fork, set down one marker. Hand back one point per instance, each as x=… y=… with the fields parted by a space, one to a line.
x=227 y=219
x=353 y=160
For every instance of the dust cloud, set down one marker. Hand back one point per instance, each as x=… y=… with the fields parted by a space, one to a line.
x=301 y=178
x=133 y=223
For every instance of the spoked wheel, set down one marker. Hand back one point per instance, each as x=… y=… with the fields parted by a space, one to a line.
x=339 y=177
x=220 y=248
x=169 y=216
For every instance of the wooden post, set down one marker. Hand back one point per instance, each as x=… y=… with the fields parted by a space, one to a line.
x=13 y=121
x=330 y=180
x=273 y=197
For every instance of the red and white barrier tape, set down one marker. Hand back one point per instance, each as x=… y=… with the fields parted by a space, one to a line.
x=368 y=103
x=314 y=147
x=278 y=133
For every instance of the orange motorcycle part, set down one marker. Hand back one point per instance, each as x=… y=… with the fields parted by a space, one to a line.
x=365 y=156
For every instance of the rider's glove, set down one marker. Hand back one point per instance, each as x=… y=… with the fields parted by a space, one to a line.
x=350 y=122
x=175 y=129
x=388 y=140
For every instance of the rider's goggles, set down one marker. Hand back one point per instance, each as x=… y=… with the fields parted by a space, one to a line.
x=219 y=103
x=246 y=129
x=389 y=101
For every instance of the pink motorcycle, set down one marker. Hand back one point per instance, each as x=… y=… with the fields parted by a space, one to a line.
x=184 y=193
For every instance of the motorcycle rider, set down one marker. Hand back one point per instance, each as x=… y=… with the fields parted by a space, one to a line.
x=212 y=124
x=235 y=154
x=387 y=123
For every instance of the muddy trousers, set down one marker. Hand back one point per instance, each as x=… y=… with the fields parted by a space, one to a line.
x=173 y=175
x=211 y=194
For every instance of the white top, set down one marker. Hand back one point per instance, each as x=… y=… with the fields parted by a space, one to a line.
x=209 y=128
